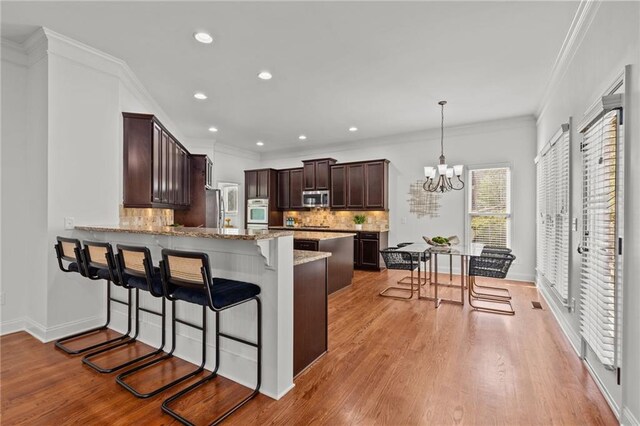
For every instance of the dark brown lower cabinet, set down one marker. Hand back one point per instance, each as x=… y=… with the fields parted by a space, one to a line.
x=366 y=253
x=310 y=319
x=340 y=266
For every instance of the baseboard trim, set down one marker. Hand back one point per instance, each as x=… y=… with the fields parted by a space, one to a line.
x=567 y=330
x=574 y=339
x=628 y=419
x=12 y=326
x=48 y=334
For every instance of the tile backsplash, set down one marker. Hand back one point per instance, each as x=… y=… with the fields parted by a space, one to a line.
x=145 y=217
x=339 y=218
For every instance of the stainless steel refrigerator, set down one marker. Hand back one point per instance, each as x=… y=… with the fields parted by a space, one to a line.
x=214 y=209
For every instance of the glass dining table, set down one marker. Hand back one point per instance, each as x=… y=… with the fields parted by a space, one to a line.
x=463 y=251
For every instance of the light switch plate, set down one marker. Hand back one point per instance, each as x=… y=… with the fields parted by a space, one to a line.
x=575 y=224
x=404 y=221
x=69 y=223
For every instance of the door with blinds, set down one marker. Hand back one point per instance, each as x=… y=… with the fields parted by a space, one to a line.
x=553 y=180
x=601 y=249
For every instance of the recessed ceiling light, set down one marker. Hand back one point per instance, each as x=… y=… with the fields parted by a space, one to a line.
x=259 y=143
x=353 y=129
x=302 y=137
x=199 y=95
x=213 y=129
x=264 y=75
x=203 y=37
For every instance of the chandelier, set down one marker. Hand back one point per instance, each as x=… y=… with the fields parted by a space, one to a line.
x=443 y=182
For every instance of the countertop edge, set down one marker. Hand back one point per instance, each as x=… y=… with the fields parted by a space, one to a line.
x=188 y=232
x=300 y=257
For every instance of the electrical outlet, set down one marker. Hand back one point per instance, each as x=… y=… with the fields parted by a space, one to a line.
x=403 y=220
x=2 y=298
x=69 y=223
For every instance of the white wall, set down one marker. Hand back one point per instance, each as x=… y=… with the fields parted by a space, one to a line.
x=13 y=157
x=509 y=141
x=610 y=42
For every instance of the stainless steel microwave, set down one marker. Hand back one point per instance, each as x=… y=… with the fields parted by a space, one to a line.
x=315 y=198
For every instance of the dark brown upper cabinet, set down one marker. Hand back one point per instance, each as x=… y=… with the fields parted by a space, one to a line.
x=355 y=186
x=155 y=168
x=316 y=174
x=338 y=195
x=360 y=185
x=290 y=184
x=258 y=182
x=295 y=189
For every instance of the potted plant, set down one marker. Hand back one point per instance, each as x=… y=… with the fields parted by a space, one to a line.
x=359 y=219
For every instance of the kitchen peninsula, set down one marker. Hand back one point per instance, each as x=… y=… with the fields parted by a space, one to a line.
x=262 y=257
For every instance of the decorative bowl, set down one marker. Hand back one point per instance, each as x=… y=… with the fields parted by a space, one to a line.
x=452 y=241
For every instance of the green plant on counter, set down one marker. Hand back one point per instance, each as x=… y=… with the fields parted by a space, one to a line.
x=359 y=219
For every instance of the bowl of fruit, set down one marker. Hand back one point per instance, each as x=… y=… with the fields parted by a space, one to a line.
x=445 y=242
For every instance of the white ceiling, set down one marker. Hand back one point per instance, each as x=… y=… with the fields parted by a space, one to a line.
x=380 y=66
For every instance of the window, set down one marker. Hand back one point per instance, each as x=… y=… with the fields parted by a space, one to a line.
x=490 y=206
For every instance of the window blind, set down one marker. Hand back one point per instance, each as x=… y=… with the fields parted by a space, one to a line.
x=490 y=205
x=599 y=266
x=553 y=199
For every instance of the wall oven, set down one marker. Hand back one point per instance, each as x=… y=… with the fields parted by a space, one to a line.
x=258 y=211
x=315 y=198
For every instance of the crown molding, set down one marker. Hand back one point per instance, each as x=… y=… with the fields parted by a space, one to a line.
x=14 y=53
x=419 y=137
x=582 y=20
x=237 y=152
x=85 y=55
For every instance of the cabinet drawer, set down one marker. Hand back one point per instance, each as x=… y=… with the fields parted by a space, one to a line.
x=305 y=245
x=369 y=235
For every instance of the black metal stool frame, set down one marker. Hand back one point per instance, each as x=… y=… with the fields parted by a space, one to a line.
x=148 y=265
x=207 y=279
x=83 y=269
x=114 y=271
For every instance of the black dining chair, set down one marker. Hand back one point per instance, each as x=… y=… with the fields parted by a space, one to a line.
x=400 y=260
x=491 y=265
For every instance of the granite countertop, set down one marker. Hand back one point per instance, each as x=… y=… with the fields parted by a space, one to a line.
x=319 y=236
x=343 y=228
x=216 y=233
x=305 y=256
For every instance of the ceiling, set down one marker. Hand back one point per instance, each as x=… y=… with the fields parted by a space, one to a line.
x=379 y=66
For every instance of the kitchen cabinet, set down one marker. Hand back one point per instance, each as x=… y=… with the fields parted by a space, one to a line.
x=258 y=183
x=310 y=316
x=263 y=183
x=355 y=186
x=154 y=171
x=204 y=209
x=316 y=174
x=338 y=195
x=290 y=187
x=305 y=245
x=340 y=267
x=295 y=189
x=360 y=185
x=284 y=181
x=367 y=246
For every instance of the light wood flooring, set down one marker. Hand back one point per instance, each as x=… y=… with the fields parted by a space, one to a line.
x=389 y=362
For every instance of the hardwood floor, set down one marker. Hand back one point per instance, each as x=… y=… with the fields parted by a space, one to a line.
x=389 y=362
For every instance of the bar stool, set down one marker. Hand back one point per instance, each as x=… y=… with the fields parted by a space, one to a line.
x=489 y=250
x=187 y=276
x=400 y=260
x=493 y=266
x=94 y=252
x=136 y=270
x=70 y=250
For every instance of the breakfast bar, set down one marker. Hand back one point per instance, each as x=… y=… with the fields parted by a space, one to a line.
x=261 y=257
